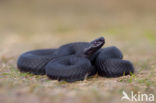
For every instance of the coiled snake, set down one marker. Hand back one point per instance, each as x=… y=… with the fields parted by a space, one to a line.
x=75 y=61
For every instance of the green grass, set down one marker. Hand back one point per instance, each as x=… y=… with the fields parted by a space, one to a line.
x=151 y=36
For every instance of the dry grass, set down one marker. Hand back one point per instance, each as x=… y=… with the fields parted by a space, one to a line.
x=26 y=26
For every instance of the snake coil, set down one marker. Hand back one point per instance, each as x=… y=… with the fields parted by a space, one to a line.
x=75 y=61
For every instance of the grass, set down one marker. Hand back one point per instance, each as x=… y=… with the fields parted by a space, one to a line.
x=131 y=30
x=150 y=36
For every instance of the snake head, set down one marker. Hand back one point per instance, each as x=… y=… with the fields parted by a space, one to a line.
x=94 y=46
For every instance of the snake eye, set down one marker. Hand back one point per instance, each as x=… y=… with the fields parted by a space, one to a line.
x=94 y=46
x=98 y=42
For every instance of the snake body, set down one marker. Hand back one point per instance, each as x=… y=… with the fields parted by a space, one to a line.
x=75 y=61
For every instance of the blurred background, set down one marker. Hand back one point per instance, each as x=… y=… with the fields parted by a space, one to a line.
x=49 y=21
x=34 y=24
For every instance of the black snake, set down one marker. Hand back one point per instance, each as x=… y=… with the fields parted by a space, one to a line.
x=75 y=61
